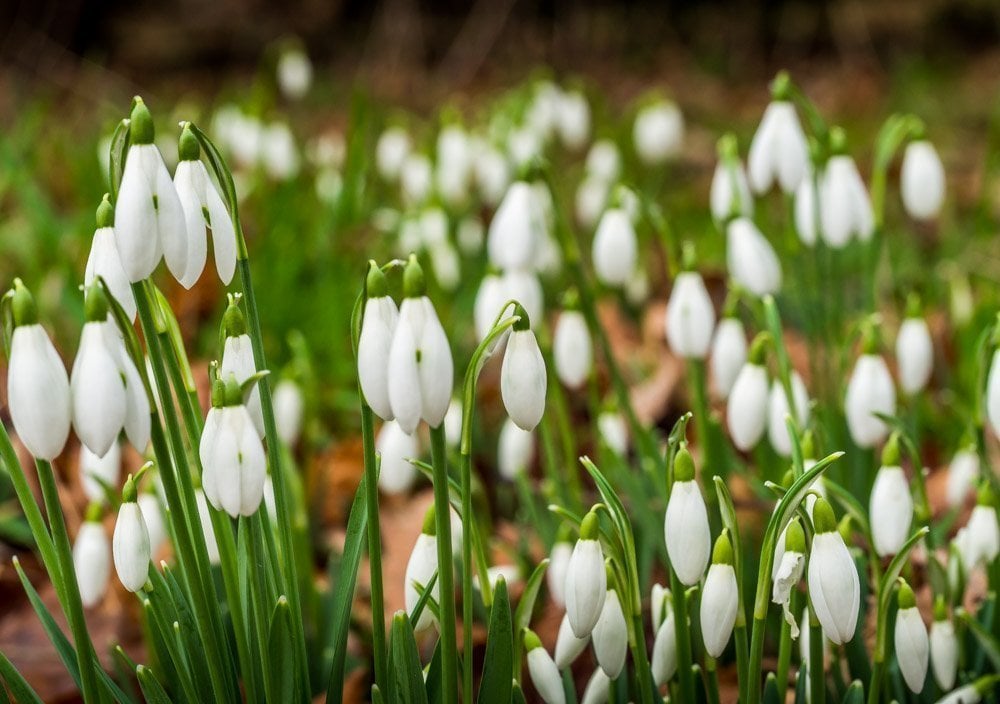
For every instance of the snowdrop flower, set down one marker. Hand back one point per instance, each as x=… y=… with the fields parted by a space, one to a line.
x=610 y=636
x=149 y=219
x=921 y=180
x=555 y=576
x=869 y=391
x=690 y=317
x=891 y=505
x=910 y=637
x=982 y=531
x=573 y=119
x=490 y=299
x=789 y=571
x=969 y=694
x=524 y=146
x=844 y=206
x=396 y=448
x=470 y=235
x=660 y=600
x=586 y=579
x=205 y=518
x=544 y=673
x=598 y=689
x=962 y=475
x=589 y=201
x=105 y=262
x=391 y=151
x=719 y=599
x=523 y=377
x=805 y=213
x=231 y=452
x=523 y=286
x=92 y=558
x=96 y=471
x=750 y=258
x=572 y=350
x=615 y=248
x=137 y=418
x=38 y=391
x=777 y=409
x=98 y=390
x=377 y=327
x=834 y=587
x=603 y=161
x=453 y=162
x=203 y=208
x=568 y=646
x=420 y=369
x=131 y=541
x=914 y=354
x=516 y=229
x=420 y=569
x=492 y=175
x=278 y=152
x=943 y=647
x=613 y=431
x=453 y=423
x=289 y=407
x=664 y=658
x=294 y=72
x=730 y=192
x=416 y=178
x=658 y=132
x=729 y=354
x=515 y=450
x=778 y=152
x=993 y=393
x=237 y=359
x=685 y=525
x=746 y=408
x=156 y=527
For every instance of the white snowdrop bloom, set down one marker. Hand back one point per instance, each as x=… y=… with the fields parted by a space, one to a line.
x=598 y=689
x=131 y=542
x=294 y=72
x=203 y=208
x=914 y=355
x=729 y=354
x=869 y=391
x=750 y=258
x=610 y=636
x=523 y=286
x=777 y=409
x=524 y=145
x=237 y=359
x=453 y=165
x=327 y=150
x=278 y=153
x=658 y=132
x=804 y=654
x=490 y=299
x=834 y=587
x=778 y=153
x=910 y=638
x=469 y=235
x=542 y=112
x=396 y=448
x=637 y=287
x=787 y=571
x=105 y=262
x=232 y=455
x=573 y=119
x=604 y=161
x=730 y=192
x=94 y=470
x=509 y=573
x=205 y=517
x=568 y=646
x=492 y=173
x=589 y=201
x=544 y=673
x=969 y=694
x=516 y=229
x=983 y=532
x=891 y=506
x=690 y=317
x=664 y=657
x=289 y=408
x=805 y=213
x=555 y=575
x=416 y=178
x=615 y=248
x=98 y=390
x=921 y=180
x=156 y=526
x=572 y=349
x=586 y=579
x=419 y=570
x=523 y=377
x=391 y=151
x=92 y=561
x=420 y=369
x=446 y=265
x=453 y=423
x=149 y=219
x=515 y=450
x=433 y=224
x=38 y=389
x=943 y=649
x=962 y=475
x=613 y=431
x=685 y=525
x=329 y=185
x=719 y=599
x=845 y=208
x=993 y=393
x=660 y=600
x=137 y=418
x=746 y=408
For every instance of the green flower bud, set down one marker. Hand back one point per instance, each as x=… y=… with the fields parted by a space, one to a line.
x=430 y=522
x=234 y=323
x=129 y=492
x=722 y=553
x=188 y=148
x=683 y=466
x=795 y=537
x=95 y=305
x=531 y=640
x=905 y=597
x=523 y=323
x=758 y=349
x=590 y=526
x=141 y=129
x=824 y=520
x=106 y=212
x=890 y=453
x=414 y=284
x=23 y=305
x=375 y=283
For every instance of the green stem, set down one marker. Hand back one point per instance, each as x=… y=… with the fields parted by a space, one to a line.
x=467 y=591
x=785 y=647
x=85 y=655
x=817 y=679
x=756 y=657
x=682 y=628
x=711 y=680
x=702 y=422
x=875 y=684
x=374 y=544
x=742 y=657
x=643 y=673
x=446 y=574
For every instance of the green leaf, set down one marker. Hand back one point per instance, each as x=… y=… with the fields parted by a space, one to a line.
x=802 y=686
x=495 y=687
x=727 y=511
x=426 y=596
x=518 y=694
x=988 y=643
x=116 y=163
x=151 y=688
x=19 y=687
x=406 y=677
x=279 y=679
x=771 y=695
x=855 y=693
x=522 y=615
x=433 y=679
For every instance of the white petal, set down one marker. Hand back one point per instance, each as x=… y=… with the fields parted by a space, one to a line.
x=92 y=562
x=98 y=392
x=870 y=390
x=523 y=380
x=944 y=653
x=94 y=470
x=515 y=230
x=419 y=570
x=834 y=587
x=719 y=604
x=687 y=532
x=189 y=185
x=515 y=450
x=912 y=648
x=690 y=317
x=751 y=259
x=586 y=586
x=746 y=409
x=664 y=658
x=374 y=342
x=436 y=370
x=38 y=392
x=922 y=180
x=610 y=636
x=572 y=350
x=237 y=359
x=777 y=410
x=131 y=547
x=615 y=248
x=104 y=261
x=568 y=646
x=136 y=234
x=545 y=677
x=914 y=355
x=729 y=354
x=891 y=510
x=397 y=448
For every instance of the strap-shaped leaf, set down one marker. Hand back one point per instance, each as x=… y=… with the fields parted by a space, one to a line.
x=771 y=694
x=19 y=687
x=855 y=694
x=495 y=687
x=406 y=678
x=426 y=596
x=525 y=607
x=433 y=679
x=279 y=680
x=152 y=690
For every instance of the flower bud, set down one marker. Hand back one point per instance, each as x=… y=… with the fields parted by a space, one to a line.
x=523 y=377
x=921 y=180
x=751 y=259
x=99 y=402
x=983 y=533
x=419 y=570
x=615 y=248
x=416 y=178
x=805 y=213
x=573 y=119
x=777 y=409
x=778 y=152
x=890 y=510
x=729 y=354
x=969 y=694
x=586 y=580
x=568 y=646
x=658 y=132
x=233 y=463
x=208 y=532
x=614 y=431
x=543 y=671
x=610 y=636
x=870 y=390
x=238 y=360
x=845 y=208
x=598 y=689
x=516 y=229
x=589 y=201
x=131 y=542
x=454 y=165
x=685 y=526
x=377 y=327
x=156 y=527
x=719 y=599
x=555 y=576
x=105 y=262
x=492 y=175
x=572 y=349
x=523 y=286
x=747 y=406
x=660 y=599
x=962 y=475
x=92 y=561
x=834 y=587
x=515 y=450
x=910 y=636
x=396 y=448
x=664 y=658
x=294 y=72
x=943 y=648
x=914 y=355
x=690 y=317
x=604 y=161
x=730 y=192
x=289 y=407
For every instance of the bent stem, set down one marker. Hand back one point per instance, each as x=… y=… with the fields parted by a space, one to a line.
x=446 y=572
